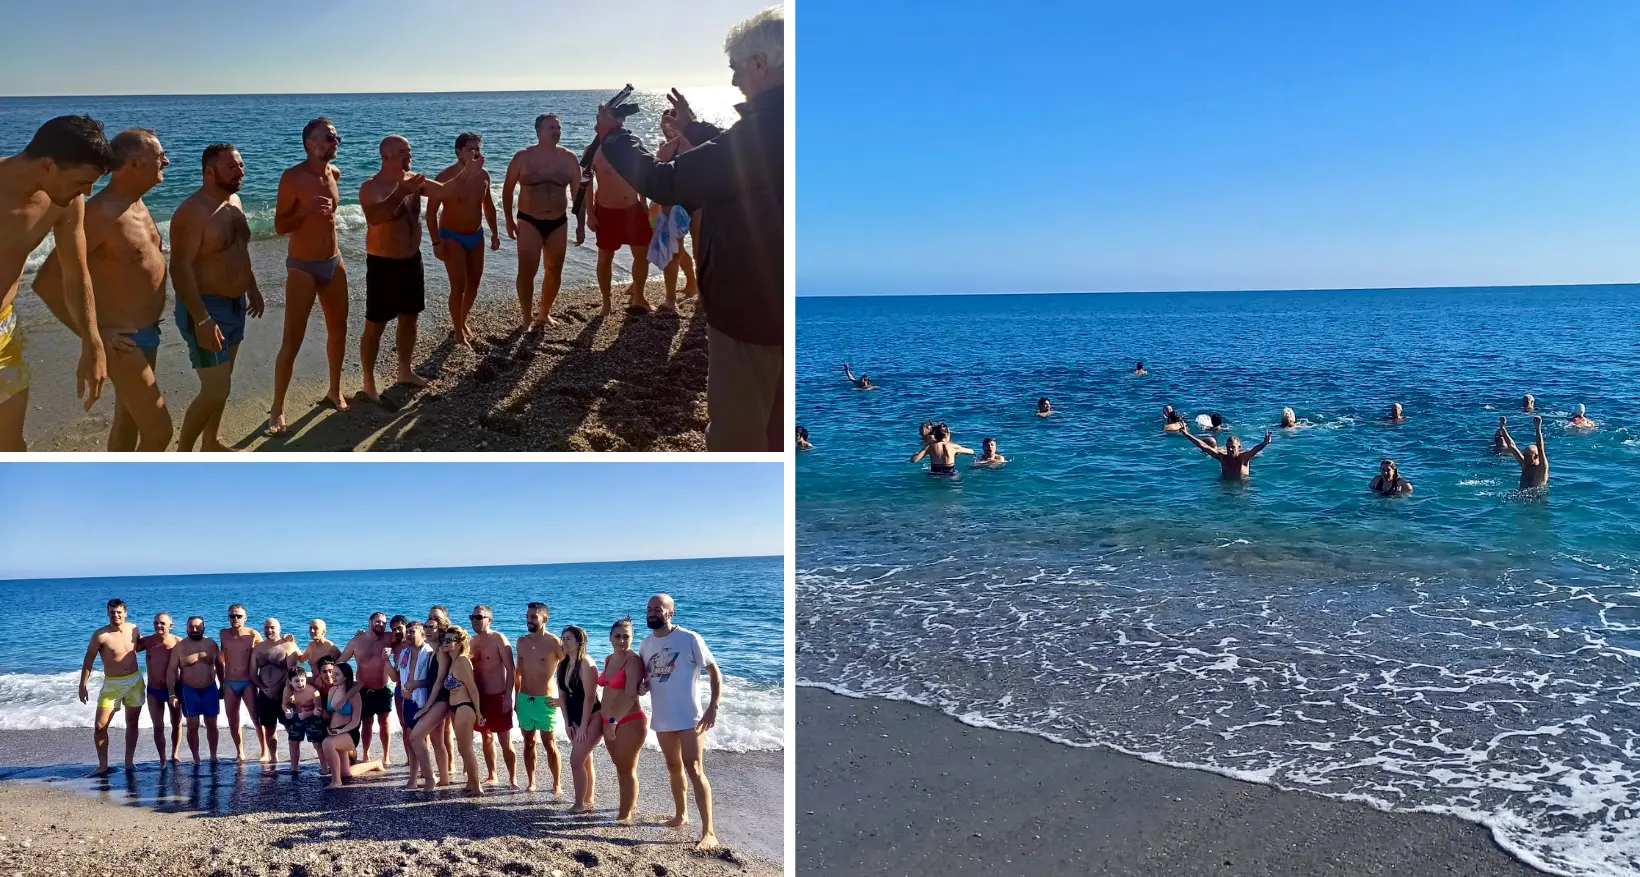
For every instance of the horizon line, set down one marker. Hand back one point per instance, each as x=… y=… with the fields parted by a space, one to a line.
x=333 y=93
x=1210 y=291
x=67 y=578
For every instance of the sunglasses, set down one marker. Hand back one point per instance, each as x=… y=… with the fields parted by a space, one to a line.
x=231 y=615
x=333 y=138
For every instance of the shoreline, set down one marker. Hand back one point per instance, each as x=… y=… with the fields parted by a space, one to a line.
x=195 y=820
x=889 y=786
x=622 y=384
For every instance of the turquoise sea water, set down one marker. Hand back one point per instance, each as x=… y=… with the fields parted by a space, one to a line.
x=736 y=604
x=1469 y=649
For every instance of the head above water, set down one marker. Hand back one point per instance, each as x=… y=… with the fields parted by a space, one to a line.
x=1043 y=404
x=223 y=168
x=1532 y=454
x=320 y=139
x=1580 y=410
x=1395 y=410
x=940 y=433
x=1139 y=366
x=1288 y=418
x=1217 y=420
x=1233 y=445
x=989 y=446
x=1388 y=469
x=70 y=155
x=757 y=52
x=1528 y=403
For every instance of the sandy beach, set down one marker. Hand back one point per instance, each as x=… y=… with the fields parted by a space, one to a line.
x=895 y=788
x=244 y=820
x=627 y=383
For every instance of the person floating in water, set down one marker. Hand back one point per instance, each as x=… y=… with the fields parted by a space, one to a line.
x=941 y=452
x=860 y=383
x=1234 y=461
x=1396 y=415
x=1528 y=404
x=1534 y=459
x=1215 y=422
x=1289 y=420
x=988 y=454
x=803 y=440
x=1139 y=369
x=1172 y=421
x=1389 y=481
x=1044 y=408
x=1581 y=420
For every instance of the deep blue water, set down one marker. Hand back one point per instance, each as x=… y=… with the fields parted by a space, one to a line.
x=1468 y=649
x=736 y=604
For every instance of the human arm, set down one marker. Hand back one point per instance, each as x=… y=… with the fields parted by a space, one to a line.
x=85 y=668
x=1509 y=444
x=507 y=185
x=391 y=205
x=435 y=200
x=959 y=449
x=489 y=215
x=286 y=217
x=72 y=248
x=187 y=233
x=462 y=669
x=1258 y=447
x=1543 y=449
x=704 y=173
x=589 y=683
x=708 y=719
x=1202 y=446
x=917 y=457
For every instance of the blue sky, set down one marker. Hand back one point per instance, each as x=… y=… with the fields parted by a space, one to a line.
x=193 y=46
x=100 y=519
x=978 y=147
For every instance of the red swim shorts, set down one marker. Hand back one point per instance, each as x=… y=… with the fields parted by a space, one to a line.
x=622 y=226
x=498 y=712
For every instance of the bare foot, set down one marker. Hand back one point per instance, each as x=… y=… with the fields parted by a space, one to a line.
x=103 y=771
x=676 y=822
x=605 y=311
x=334 y=785
x=513 y=784
x=557 y=790
x=276 y=423
x=475 y=789
x=639 y=303
x=690 y=291
x=212 y=446
x=369 y=392
x=411 y=379
x=708 y=841
x=629 y=819
x=669 y=305
x=530 y=787
x=337 y=401
x=546 y=320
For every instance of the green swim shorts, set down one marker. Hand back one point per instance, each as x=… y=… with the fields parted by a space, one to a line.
x=536 y=713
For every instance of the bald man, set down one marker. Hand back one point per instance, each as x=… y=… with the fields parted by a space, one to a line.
x=673 y=658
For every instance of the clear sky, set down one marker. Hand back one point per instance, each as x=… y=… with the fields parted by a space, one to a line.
x=96 y=47
x=101 y=519
x=982 y=147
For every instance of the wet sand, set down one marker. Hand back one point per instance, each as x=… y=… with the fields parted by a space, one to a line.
x=626 y=383
x=892 y=788
x=246 y=820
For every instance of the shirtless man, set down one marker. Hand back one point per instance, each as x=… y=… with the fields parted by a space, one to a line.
x=235 y=669
x=1044 y=407
x=394 y=283
x=1172 y=421
x=619 y=217
x=43 y=190
x=117 y=643
x=1289 y=420
x=988 y=454
x=496 y=676
x=157 y=646
x=1528 y=404
x=539 y=653
x=860 y=383
x=941 y=452
x=318 y=647
x=454 y=217
x=308 y=196
x=196 y=665
x=1396 y=415
x=1233 y=461
x=1581 y=420
x=1139 y=369
x=371 y=649
x=216 y=289
x=550 y=177
x=1534 y=459
x=126 y=257
x=271 y=663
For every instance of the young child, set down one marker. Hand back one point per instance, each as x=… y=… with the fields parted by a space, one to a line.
x=304 y=715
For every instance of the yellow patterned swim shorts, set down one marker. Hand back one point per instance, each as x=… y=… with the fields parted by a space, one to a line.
x=123 y=691
x=13 y=370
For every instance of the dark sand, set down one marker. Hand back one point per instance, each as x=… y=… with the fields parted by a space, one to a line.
x=245 y=820
x=623 y=384
x=892 y=788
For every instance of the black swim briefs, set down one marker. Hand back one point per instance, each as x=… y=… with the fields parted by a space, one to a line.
x=393 y=288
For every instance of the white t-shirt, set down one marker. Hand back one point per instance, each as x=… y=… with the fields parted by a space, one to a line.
x=673 y=664
x=414 y=664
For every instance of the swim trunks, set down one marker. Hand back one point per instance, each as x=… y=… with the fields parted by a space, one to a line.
x=313 y=729
x=376 y=701
x=497 y=709
x=229 y=314
x=393 y=288
x=200 y=701
x=939 y=471
x=468 y=240
x=321 y=270
x=161 y=693
x=146 y=338
x=545 y=226
x=622 y=226
x=536 y=713
x=267 y=711
x=117 y=691
x=14 y=377
x=239 y=685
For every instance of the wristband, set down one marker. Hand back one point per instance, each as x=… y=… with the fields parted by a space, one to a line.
x=204 y=321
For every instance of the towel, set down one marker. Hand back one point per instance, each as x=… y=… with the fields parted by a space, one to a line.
x=671 y=224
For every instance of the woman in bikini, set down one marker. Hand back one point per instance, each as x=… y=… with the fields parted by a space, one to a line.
x=346 y=714
x=583 y=722
x=1389 y=481
x=625 y=727
x=460 y=691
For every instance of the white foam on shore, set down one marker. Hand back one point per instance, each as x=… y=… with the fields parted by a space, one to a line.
x=751 y=717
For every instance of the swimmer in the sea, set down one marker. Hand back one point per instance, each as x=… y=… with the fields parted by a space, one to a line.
x=988 y=454
x=803 y=440
x=941 y=452
x=1234 y=463
x=1396 y=415
x=1139 y=369
x=1044 y=408
x=1500 y=439
x=1216 y=422
x=1172 y=421
x=1289 y=420
x=1581 y=421
x=1533 y=459
x=1389 y=481
x=1528 y=404
x=860 y=383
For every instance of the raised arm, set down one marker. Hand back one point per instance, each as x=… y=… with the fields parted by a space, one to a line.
x=1258 y=447
x=1543 y=449
x=350 y=651
x=959 y=449
x=1202 y=446
x=1509 y=445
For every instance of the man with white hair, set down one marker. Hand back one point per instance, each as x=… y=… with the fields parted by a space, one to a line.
x=736 y=178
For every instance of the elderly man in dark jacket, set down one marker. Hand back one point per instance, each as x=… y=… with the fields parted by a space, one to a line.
x=736 y=178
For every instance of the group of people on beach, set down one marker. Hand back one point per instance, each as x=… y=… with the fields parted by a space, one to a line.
x=1235 y=461
x=106 y=277
x=439 y=681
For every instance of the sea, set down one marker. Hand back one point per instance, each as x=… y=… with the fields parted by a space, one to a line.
x=1469 y=650
x=737 y=605
x=267 y=129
